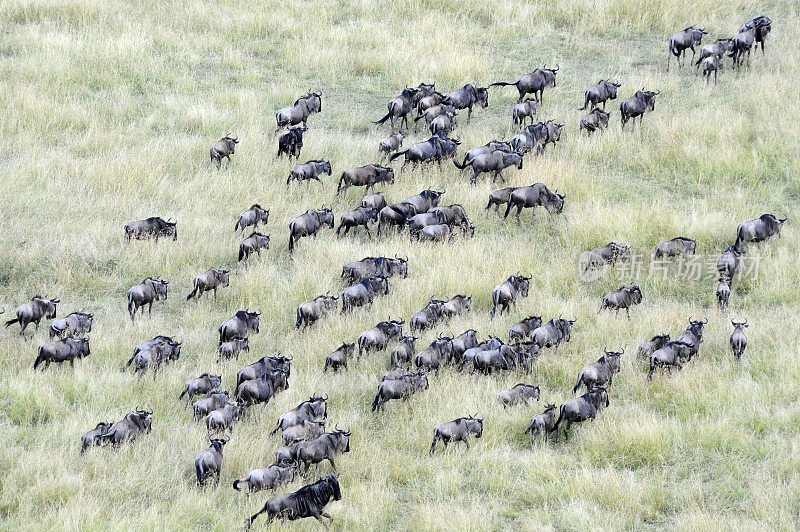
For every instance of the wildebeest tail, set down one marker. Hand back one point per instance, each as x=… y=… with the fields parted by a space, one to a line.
x=585 y=103
x=396 y=155
x=184 y=392
x=190 y=296
x=299 y=319
x=236 y=227
x=131 y=307
x=199 y=468
x=39 y=359
x=557 y=424
x=508 y=208
x=377 y=400
x=579 y=383
x=461 y=166
x=502 y=84
x=236 y=483
x=674 y=51
x=241 y=253
x=15 y=320
x=384 y=119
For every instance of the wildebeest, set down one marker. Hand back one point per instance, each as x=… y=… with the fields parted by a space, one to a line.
x=738 y=339
x=505 y=357
x=308 y=501
x=262 y=388
x=456 y=431
x=403 y=352
x=290 y=142
x=499 y=197
x=711 y=64
x=152 y=354
x=758 y=230
x=299 y=111
x=354 y=272
x=73 y=325
x=364 y=292
x=439 y=351
x=209 y=462
x=253 y=244
x=211 y=279
x=202 y=407
x=637 y=105
x=314 y=409
x=552 y=333
x=203 y=384
x=742 y=44
x=425 y=200
x=622 y=298
x=542 y=423
x=762 y=25
x=608 y=254
x=456 y=305
x=693 y=336
x=223 y=418
x=396 y=373
x=402 y=388
x=603 y=91
x=127 y=429
x=145 y=293
x=309 y=223
x=223 y=149
x=683 y=40
x=579 y=409
x=723 y=292
x=360 y=216
x=252 y=216
x=601 y=373
x=596 y=119
x=396 y=214
x=338 y=359
x=267 y=478
x=324 y=447
x=419 y=221
x=154 y=227
x=432 y=113
x=519 y=393
x=60 y=351
x=430 y=100
x=240 y=325
x=494 y=162
x=505 y=294
x=674 y=354
x=489 y=147
x=433 y=149
x=89 y=439
x=232 y=348
x=428 y=316
x=717 y=48
x=400 y=107
x=523 y=111
x=533 y=83
x=365 y=176
x=531 y=139
x=374 y=201
x=521 y=330
x=445 y=122
x=390 y=144
x=680 y=245
x=303 y=431
x=317 y=308
x=308 y=171
x=466 y=97
x=263 y=365
x=728 y=262
x=651 y=346
x=378 y=337
x=553 y=133
x=537 y=195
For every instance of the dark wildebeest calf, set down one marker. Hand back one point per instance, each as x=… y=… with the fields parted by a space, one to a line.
x=291 y=142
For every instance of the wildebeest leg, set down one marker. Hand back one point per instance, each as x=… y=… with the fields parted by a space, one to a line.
x=149 y=310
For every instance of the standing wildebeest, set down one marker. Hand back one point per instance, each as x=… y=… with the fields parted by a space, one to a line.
x=524 y=110
x=153 y=227
x=224 y=148
x=758 y=230
x=434 y=112
x=637 y=105
x=693 y=336
x=445 y=122
x=127 y=429
x=466 y=97
x=683 y=40
x=374 y=201
x=738 y=339
x=717 y=48
x=338 y=359
x=723 y=292
x=552 y=333
x=203 y=384
x=519 y=393
x=263 y=388
x=675 y=353
x=542 y=423
x=602 y=92
x=428 y=316
x=456 y=305
x=308 y=501
x=711 y=64
x=653 y=345
x=680 y=245
x=360 y=216
x=89 y=439
x=253 y=244
x=743 y=44
x=456 y=431
x=309 y=223
x=403 y=352
x=553 y=133
x=291 y=142
x=623 y=298
x=364 y=292
x=240 y=325
x=601 y=373
x=211 y=279
x=314 y=409
x=232 y=348
x=225 y=417
x=587 y=406
x=324 y=447
x=267 y=478
x=299 y=111
x=354 y=272
x=402 y=388
x=145 y=293
x=252 y=216
x=308 y=171
x=422 y=220
x=537 y=195
x=400 y=107
x=202 y=407
x=521 y=330
x=390 y=144
x=494 y=162
x=596 y=119
x=499 y=197
x=762 y=25
x=311 y=311
x=209 y=463
x=378 y=337
x=728 y=263
x=164 y=351
x=533 y=83
x=73 y=325
x=60 y=351
x=608 y=254
x=505 y=293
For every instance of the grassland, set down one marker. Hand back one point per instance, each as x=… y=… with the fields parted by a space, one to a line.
x=109 y=110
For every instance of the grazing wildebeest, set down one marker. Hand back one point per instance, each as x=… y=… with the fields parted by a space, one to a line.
x=456 y=305
x=89 y=439
x=521 y=330
x=308 y=171
x=499 y=197
x=252 y=216
x=601 y=373
x=365 y=176
x=314 y=409
x=711 y=64
x=324 y=447
x=72 y=326
x=309 y=223
x=153 y=227
x=523 y=111
x=596 y=119
x=537 y=195
x=361 y=216
x=209 y=462
x=675 y=353
x=374 y=201
x=60 y=351
x=433 y=149
x=494 y=162
x=439 y=351
x=338 y=359
x=253 y=244
x=291 y=142
x=728 y=262
x=683 y=40
x=738 y=339
x=223 y=418
x=542 y=423
x=758 y=230
x=396 y=214
x=456 y=431
x=552 y=333
x=354 y=272
x=303 y=431
x=127 y=429
x=680 y=245
x=466 y=97
x=267 y=478
x=311 y=311
x=202 y=407
x=224 y=148
x=378 y=337
x=533 y=83
x=622 y=298
x=263 y=365
x=742 y=44
x=390 y=144
x=403 y=352
x=203 y=384
x=608 y=254
x=263 y=388
x=579 y=409
x=519 y=393
x=723 y=292
x=299 y=111
x=422 y=220
x=145 y=293
x=651 y=346
x=364 y=292
x=211 y=279
x=308 y=501
x=400 y=107
x=602 y=92
x=402 y=388
x=717 y=48
x=240 y=325
x=428 y=316
x=762 y=25
x=505 y=294
x=637 y=105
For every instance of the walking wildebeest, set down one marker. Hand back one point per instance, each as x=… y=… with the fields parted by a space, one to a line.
x=364 y=292
x=89 y=439
x=223 y=149
x=728 y=262
x=637 y=105
x=762 y=25
x=145 y=293
x=308 y=501
x=608 y=254
x=240 y=325
x=537 y=195
x=521 y=330
x=693 y=336
x=743 y=44
x=309 y=223
x=738 y=339
x=355 y=272
x=425 y=200
x=622 y=298
x=456 y=431
x=73 y=325
x=396 y=214
x=524 y=110
x=717 y=48
x=683 y=40
x=365 y=176
x=60 y=351
x=542 y=423
x=603 y=91
x=596 y=119
x=466 y=97
x=487 y=148
x=579 y=409
x=253 y=244
x=311 y=311
x=224 y=418
x=445 y=122
x=232 y=348
x=374 y=201
x=338 y=359
x=267 y=478
x=299 y=111
x=601 y=373
x=680 y=245
x=428 y=316
x=203 y=384
x=399 y=107
x=552 y=333
x=360 y=216
x=378 y=337
x=432 y=113
x=433 y=149
x=439 y=351
x=723 y=292
x=422 y=220
x=675 y=353
x=127 y=429
x=209 y=462
x=505 y=294
x=651 y=346
x=211 y=279
x=426 y=102
x=252 y=216
x=519 y=393
x=303 y=431
x=390 y=144
x=532 y=138
x=758 y=230
x=291 y=142
x=499 y=197
x=153 y=227
x=494 y=162
x=403 y=352
x=402 y=388
x=163 y=352
x=202 y=407
x=456 y=305
x=308 y=171
x=324 y=447
x=314 y=409
x=262 y=388
x=711 y=64
x=533 y=83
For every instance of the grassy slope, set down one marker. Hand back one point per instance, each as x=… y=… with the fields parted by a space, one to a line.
x=109 y=111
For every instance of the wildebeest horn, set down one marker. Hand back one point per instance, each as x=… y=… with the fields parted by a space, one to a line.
x=657 y=93
x=781 y=220
x=169 y=222
x=605 y=350
x=554 y=70
x=258 y=312
x=291 y=357
x=704 y=321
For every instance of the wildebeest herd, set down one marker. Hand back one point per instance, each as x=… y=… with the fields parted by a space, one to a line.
x=305 y=430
